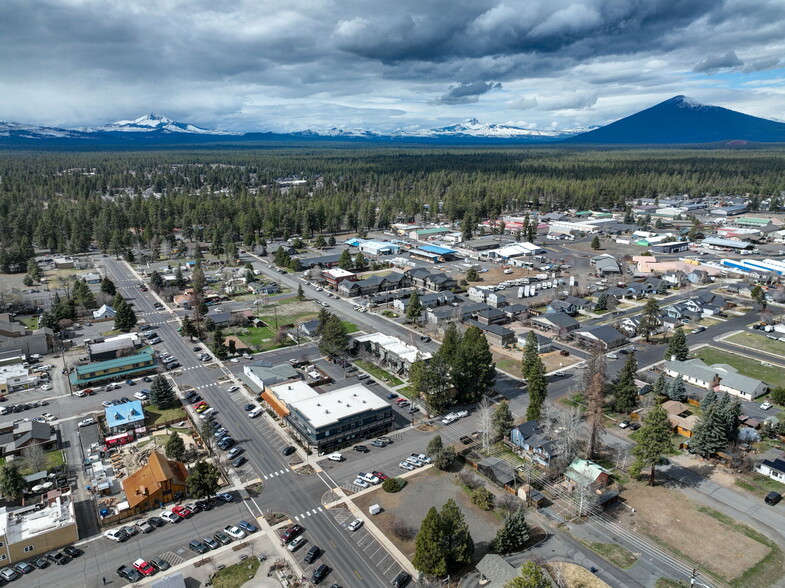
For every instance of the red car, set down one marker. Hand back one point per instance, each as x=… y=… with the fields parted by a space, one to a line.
x=380 y=475
x=144 y=567
x=182 y=511
x=292 y=532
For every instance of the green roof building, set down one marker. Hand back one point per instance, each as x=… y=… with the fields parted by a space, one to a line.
x=114 y=369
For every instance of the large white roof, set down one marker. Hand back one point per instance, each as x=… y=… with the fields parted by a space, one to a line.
x=324 y=409
x=395 y=346
x=294 y=391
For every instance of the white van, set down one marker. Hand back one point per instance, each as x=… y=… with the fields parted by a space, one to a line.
x=206 y=414
x=256 y=412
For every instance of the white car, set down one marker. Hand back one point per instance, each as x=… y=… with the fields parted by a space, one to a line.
x=49 y=416
x=234 y=532
x=355 y=524
x=766 y=405
x=361 y=483
x=612 y=356
x=234 y=360
x=117 y=535
x=335 y=457
x=234 y=388
x=422 y=457
x=406 y=465
x=450 y=418
x=46 y=387
x=461 y=414
x=370 y=478
x=414 y=461
x=140 y=395
x=87 y=422
x=169 y=516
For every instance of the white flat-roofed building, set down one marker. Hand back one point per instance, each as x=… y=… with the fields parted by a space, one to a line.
x=390 y=351
x=328 y=421
x=31 y=531
x=294 y=391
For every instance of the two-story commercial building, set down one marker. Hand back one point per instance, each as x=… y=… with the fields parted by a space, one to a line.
x=114 y=369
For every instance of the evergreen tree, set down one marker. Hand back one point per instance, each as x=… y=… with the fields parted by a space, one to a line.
x=435 y=445
x=118 y=301
x=324 y=314
x=625 y=396
x=709 y=436
x=175 y=447
x=660 y=385
x=345 y=261
x=124 y=318
x=513 y=534
x=295 y=264
x=677 y=346
x=677 y=390
x=429 y=556
x=602 y=302
x=650 y=318
x=300 y=292
x=708 y=400
x=457 y=540
x=219 y=344
x=34 y=270
x=179 y=278
x=473 y=371
x=12 y=483
x=334 y=341
x=537 y=386
x=443 y=460
x=414 y=308
x=502 y=421
x=758 y=295
x=360 y=263
x=203 y=480
x=654 y=440
x=156 y=281
x=450 y=344
x=331 y=240
x=431 y=382
x=530 y=354
x=729 y=411
x=531 y=576
x=108 y=287
x=162 y=394
x=188 y=328
x=472 y=275
x=595 y=243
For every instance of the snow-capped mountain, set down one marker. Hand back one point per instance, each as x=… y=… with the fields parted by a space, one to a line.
x=154 y=123
x=474 y=128
x=23 y=131
x=336 y=132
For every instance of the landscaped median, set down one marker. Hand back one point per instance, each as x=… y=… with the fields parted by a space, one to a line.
x=379 y=373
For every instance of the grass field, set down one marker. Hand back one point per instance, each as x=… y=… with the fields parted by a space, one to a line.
x=236 y=575
x=156 y=415
x=255 y=336
x=379 y=373
x=619 y=556
x=350 y=327
x=759 y=342
x=746 y=365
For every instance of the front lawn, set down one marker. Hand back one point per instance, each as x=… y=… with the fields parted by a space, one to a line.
x=236 y=575
x=758 y=484
x=350 y=327
x=746 y=366
x=54 y=459
x=379 y=373
x=255 y=336
x=154 y=415
x=759 y=342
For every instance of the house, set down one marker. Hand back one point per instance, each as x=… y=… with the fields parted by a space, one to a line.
x=681 y=417
x=605 y=264
x=440 y=281
x=491 y=316
x=607 y=337
x=260 y=375
x=17 y=436
x=496 y=299
x=14 y=337
x=310 y=328
x=336 y=275
x=390 y=352
x=544 y=344
x=495 y=571
x=112 y=347
x=675 y=278
x=698 y=277
x=555 y=322
x=442 y=315
x=529 y=440
x=709 y=297
x=477 y=294
x=720 y=376
x=629 y=325
x=580 y=304
x=105 y=313
x=159 y=481
x=581 y=471
x=497 y=470
x=686 y=310
x=92 y=278
x=271 y=288
x=561 y=306
x=639 y=290
x=496 y=335
x=426 y=300
x=773 y=468
x=514 y=311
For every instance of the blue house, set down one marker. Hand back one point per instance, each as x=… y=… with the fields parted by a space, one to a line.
x=124 y=417
x=529 y=440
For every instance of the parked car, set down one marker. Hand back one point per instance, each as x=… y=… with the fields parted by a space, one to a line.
x=406 y=465
x=766 y=405
x=181 y=512
x=247 y=527
x=40 y=563
x=160 y=564
x=73 y=551
x=58 y=558
x=319 y=573
x=225 y=497
x=234 y=452
x=198 y=547
x=312 y=554
x=211 y=543
x=361 y=483
x=116 y=535
x=129 y=574
x=370 y=478
x=222 y=538
x=143 y=567
x=361 y=449
x=335 y=457
x=401 y=580
x=169 y=516
x=233 y=388
x=234 y=532
x=9 y=574
x=377 y=443
x=288 y=450
x=296 y=543
x=24 y=568
x=624 y=424
x=156 y=521
x=239 y=461
x=87 y=422
x=355 y=524
x=292 y=532
x=772 y=498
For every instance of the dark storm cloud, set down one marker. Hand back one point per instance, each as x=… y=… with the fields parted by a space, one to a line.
x=225 y=61
x=467 y=93
x=715 y=63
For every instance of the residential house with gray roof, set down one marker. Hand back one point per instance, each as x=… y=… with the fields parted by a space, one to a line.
x=722 y=377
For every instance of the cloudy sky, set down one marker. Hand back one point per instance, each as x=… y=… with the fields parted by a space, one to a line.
x=288 y=65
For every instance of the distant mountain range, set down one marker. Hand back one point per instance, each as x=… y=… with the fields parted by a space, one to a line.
x=682 y=120
x=679 y=120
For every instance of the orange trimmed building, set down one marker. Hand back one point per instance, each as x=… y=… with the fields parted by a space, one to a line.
x=154 y=484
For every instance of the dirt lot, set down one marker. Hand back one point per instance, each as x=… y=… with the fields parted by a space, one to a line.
x=410 y=505
x=662 y=513
x=510 y=361
x=573 y=576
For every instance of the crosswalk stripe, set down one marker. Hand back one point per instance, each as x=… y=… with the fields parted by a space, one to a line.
x=314 y=511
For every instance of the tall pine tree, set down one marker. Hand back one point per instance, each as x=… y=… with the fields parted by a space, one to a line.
x=677 y=346
x=429 y=555
x=654 y=440
x=473 y=370
x=625 y=396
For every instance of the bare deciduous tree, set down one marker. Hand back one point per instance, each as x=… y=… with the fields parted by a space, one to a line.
x=403 y=530
x=485 y=420
x=35 y=457
x=621 y=455
x=594 y=390
x=585 y=495
x=469 y=479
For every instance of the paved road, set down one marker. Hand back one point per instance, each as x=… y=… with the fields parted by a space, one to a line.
x=285 y=491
